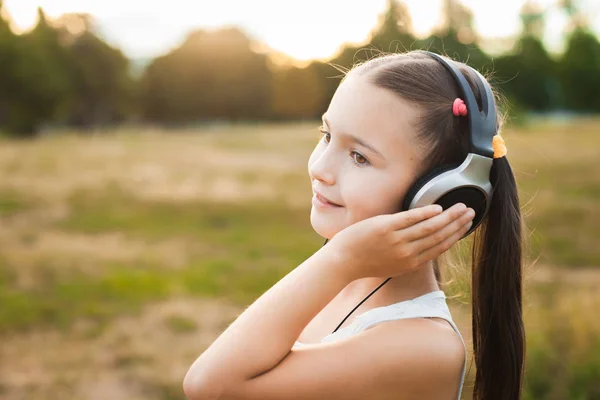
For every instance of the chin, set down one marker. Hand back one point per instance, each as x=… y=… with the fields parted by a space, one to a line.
x=323 y=226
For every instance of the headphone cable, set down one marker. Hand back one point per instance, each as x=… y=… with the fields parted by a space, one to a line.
x=358 y=305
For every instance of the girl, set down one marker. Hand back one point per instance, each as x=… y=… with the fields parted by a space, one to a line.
x=390 y=120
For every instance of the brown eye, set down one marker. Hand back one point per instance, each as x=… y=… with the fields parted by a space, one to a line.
x=359 y=159
x=324 y=134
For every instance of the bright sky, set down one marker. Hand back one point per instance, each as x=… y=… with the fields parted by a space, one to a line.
x=304 y=29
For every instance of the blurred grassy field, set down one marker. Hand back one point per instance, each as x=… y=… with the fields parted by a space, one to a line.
x=123 y=255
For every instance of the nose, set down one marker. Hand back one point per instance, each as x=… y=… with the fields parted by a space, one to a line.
x=321 y=166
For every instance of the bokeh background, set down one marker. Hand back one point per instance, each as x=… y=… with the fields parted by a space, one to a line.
x=153 y=177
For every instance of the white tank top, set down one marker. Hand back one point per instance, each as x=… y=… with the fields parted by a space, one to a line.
x=432 y=304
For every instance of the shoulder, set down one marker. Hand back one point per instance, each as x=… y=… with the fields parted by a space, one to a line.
x=399 y=359
x=431 y=350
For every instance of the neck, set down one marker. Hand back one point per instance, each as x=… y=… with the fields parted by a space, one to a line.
x=402 y=287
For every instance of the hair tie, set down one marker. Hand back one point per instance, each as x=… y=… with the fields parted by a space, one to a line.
x=498 y=146
x=459 y=107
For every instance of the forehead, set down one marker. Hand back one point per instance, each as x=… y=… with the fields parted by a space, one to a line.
x=376 y=115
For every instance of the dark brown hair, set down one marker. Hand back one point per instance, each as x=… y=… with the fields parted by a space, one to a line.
x=498 y=330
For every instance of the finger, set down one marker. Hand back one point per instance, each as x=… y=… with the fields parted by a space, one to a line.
x=432 y=225
x=435 y=251
x=444 y=232
x=405 y=219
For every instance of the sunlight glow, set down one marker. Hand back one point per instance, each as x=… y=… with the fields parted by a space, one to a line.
x=303 y=30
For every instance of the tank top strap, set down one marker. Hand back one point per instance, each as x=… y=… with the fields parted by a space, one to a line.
x=431 y=305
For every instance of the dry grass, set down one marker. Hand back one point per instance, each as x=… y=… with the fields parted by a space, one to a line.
x=123 y=255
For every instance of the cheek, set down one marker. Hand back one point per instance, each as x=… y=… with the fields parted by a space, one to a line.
x=373 y=196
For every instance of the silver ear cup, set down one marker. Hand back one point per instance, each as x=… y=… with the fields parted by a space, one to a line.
x=473 y=172
x=468 y=183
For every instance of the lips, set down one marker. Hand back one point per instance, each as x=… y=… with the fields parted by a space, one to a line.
x=325 y=199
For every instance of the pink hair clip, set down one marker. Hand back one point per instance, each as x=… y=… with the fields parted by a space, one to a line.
x=459 y=107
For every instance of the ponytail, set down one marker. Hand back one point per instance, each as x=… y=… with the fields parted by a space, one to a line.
x=498 y=330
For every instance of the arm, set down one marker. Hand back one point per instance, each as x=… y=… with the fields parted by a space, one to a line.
x=255 y=349
x=263 y=335
x=396 y=360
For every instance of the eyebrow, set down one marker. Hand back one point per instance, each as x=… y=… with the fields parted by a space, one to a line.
x=354 y=138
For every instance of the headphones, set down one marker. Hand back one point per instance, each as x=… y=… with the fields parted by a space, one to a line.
x=469 y=181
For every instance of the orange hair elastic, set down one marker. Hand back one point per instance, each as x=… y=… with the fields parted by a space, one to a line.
x=498 y=146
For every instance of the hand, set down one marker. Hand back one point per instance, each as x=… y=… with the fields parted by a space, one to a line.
x=391 y=244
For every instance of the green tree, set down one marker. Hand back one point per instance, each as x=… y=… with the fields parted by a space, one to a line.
x=527 y=75
x=211 y=75
x=297 y=93
x=579 y=72
x=50 y=67
x=394 y=30
x=102 y=87
x=57 y=74
x=456 y=36
x=32 y=84
x=8 y=52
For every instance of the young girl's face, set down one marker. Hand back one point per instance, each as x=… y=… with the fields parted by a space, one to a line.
x=369 y=178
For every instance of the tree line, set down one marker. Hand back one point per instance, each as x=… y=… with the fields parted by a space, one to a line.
x=61 y=73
